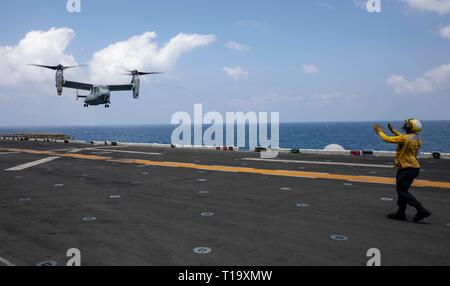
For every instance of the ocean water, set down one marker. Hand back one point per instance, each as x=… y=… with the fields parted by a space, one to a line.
x=350 y=135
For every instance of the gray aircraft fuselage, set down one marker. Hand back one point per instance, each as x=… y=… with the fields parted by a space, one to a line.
x=99 y=95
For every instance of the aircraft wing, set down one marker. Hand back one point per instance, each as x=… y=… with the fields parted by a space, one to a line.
x=120 y=87
x=78 y=85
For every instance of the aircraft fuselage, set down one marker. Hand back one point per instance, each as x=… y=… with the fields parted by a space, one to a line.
x=99 y=95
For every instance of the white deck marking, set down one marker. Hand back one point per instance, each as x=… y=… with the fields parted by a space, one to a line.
x=8 y=153
x=127 y=152
x=6 y=262
x=74 y=150
x=78 y=150
x=107 y=147
x=32 y=164
x=321 y=163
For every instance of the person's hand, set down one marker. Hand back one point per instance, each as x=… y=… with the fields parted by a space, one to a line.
x=377 y=128
x=391 y=127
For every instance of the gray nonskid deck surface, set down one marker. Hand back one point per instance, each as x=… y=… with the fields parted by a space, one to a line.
x=157 y=220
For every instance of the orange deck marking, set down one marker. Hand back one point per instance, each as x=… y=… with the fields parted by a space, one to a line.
x=232 y=169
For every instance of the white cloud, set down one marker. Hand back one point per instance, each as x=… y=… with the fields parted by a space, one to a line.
x=438 y=6
x=235 y=72
x=38 y=47
x=445 y=32
x=433 y=80
x=237 y=46
x=49 y=48
x=311 y=69
x=143 y=53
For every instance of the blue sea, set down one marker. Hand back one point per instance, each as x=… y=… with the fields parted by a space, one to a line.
x=350 y=135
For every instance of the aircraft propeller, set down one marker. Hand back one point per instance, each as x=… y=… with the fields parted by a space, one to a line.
x=136 y=72
x=58 y=67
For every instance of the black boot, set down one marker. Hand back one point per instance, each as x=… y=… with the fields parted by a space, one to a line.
x=399 y=215
x=422 y=213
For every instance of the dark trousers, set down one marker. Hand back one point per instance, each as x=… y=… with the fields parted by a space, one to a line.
x=405 y=178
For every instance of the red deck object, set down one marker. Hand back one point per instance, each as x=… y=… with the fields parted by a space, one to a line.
x=355 y=153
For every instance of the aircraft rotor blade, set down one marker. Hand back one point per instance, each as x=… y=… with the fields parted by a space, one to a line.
x=47 y=67
x=71 y=67
x=136 y=72
x=58 y=67
x=147 y=73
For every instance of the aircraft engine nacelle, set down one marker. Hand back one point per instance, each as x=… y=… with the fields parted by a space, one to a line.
x=136 y=85
x=59 y=79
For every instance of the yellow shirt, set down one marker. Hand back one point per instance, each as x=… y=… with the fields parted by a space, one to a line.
x=407 y=150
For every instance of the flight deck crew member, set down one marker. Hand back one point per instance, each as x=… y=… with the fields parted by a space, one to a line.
x=408 y=166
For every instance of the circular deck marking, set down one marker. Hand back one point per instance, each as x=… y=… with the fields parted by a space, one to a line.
x=89 y=218
x=285 y=189
x=47 y=263
x=373 y=172
x=135 y=183
x=339 y=237
x=387 y=199
x=144 y=173
x=114 y=197
x=207 y=214
x=202 y=250
x=203 y=192
x=201 y=172
x=348 y=184
x=19 y=177
x=22 y=200
x=59 y=185
x=202 y=180
x=302 y=205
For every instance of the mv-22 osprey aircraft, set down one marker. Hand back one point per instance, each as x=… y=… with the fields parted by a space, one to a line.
x=100 y=94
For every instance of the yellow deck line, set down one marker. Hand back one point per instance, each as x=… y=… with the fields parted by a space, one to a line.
x=232 y=169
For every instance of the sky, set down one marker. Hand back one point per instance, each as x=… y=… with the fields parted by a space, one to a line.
x=311 y=61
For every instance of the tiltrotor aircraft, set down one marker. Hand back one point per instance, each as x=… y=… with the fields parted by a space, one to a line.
x=99 y=94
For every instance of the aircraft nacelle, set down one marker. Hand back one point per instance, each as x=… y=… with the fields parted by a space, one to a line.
x=59 y=79
x=136 y=81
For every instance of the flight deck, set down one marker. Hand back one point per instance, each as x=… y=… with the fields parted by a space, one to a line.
x=129 y=205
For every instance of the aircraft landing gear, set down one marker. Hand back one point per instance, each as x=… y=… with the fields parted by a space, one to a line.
x=106 y=105
x=86 y=105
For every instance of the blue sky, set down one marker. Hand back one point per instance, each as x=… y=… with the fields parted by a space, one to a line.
x=309 y=60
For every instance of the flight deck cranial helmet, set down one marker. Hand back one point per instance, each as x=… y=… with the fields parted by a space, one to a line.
x=412 y=126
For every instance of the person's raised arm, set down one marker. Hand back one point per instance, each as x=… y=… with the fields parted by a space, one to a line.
x=393 y=130
x=389 y=139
